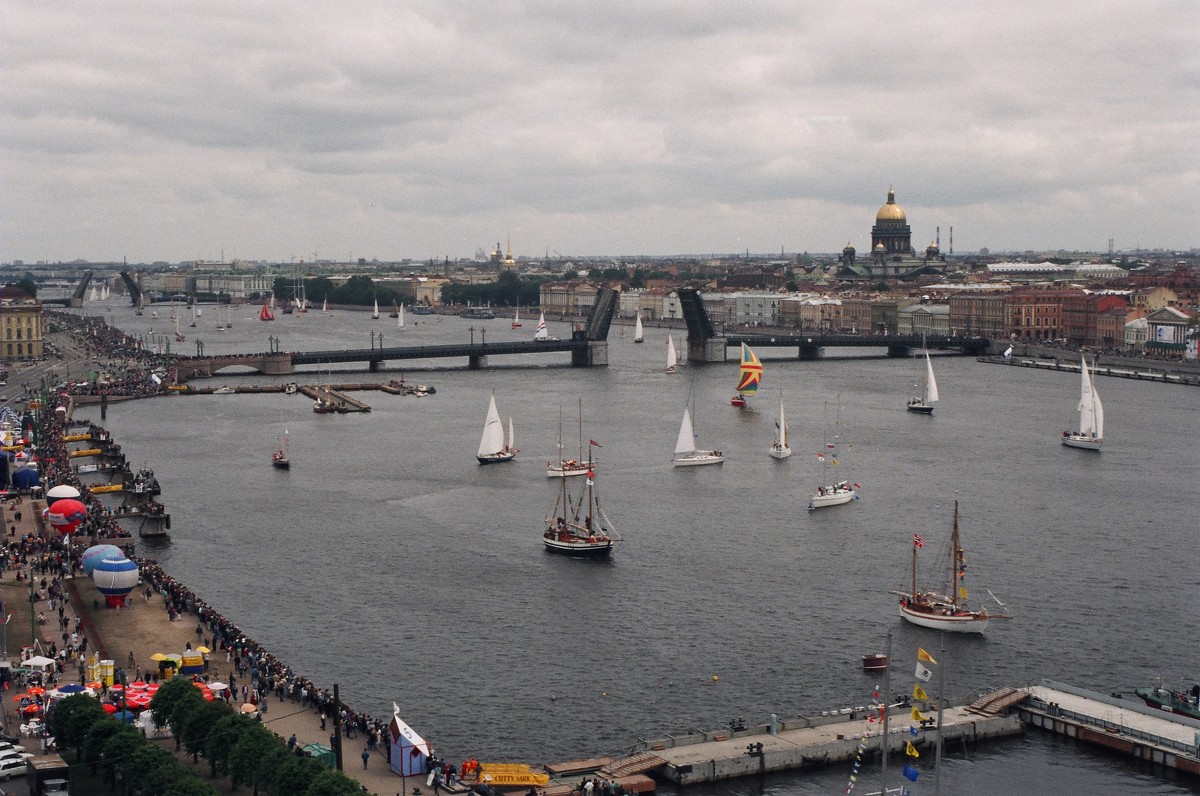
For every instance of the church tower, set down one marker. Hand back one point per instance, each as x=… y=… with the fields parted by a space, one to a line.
x=891 y=229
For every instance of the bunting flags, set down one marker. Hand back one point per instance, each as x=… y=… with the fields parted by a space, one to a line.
x=593 y=442
x=962 y=592
x=917 y=716
x=911 y=773
x=919 y=692
x=922 y=655
x=923 y=674
x=911 y=750
x=918 y=541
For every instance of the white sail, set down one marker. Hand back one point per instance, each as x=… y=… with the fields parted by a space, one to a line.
x=780 y=448
x=686 y=442
x=512 y=439
x=492 y=441
x=671 y=358
x=1091 y=411
x=375 y=312
x=325 y=305
x=541 y=333
x=931 y=390
x=1008 y=352
x=637 y=328
x=400 y=318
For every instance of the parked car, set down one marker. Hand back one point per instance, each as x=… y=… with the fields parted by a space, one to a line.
x=12 y=767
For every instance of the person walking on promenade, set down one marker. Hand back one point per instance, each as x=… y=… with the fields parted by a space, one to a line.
x=365 y=756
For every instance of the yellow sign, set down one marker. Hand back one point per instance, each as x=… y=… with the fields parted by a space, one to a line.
x=511 y=774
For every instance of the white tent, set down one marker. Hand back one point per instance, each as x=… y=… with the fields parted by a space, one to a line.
x=37 y=662
x=410 y=752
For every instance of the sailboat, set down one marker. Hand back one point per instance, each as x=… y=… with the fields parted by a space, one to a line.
x=492 y=445
x=279 y=459
x=939 y=610
x=838 y=492
x=565 y=468
x=779 y=446
x=541 y=333
x=672 y=359
x=516 y=324
x=686 y=454
x=375 y=312
x=179 y=338
x=638 y=337
x=1090 y=435
x=193 y=323
x=400 y=318
x=395 y=313
x=325 y=304
x=748 y=379
x=265 y=314
x=579 y=528
x=923 y=404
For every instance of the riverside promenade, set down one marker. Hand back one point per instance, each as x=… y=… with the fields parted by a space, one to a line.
x=145 y=628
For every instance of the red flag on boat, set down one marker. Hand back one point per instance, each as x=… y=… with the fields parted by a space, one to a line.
x=593 y=442
x=917 y=540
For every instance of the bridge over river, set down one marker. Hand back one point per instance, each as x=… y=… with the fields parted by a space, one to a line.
x=587 y=347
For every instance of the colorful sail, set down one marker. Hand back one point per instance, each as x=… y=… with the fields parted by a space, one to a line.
x=751 y=372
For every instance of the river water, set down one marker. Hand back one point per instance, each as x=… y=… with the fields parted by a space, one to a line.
x=387 y=560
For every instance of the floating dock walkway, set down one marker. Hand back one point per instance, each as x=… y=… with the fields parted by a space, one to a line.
x=816 y=742
x=1121 y=725
x=1147 y=373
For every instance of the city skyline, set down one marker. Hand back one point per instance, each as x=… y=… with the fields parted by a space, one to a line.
x=432 y=130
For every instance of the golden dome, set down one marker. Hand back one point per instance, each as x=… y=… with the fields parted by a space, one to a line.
x=891 y=211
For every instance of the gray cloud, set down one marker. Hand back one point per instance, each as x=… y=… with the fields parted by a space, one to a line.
x=166 y=131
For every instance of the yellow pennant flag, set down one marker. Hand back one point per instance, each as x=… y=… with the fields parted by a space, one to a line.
x=962 y=592
x=911 y=750
x=916 y=715
x=922 y=655
x=919 y=692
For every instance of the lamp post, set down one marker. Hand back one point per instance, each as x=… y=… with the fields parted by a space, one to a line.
x=372 y=340
x=471 y=329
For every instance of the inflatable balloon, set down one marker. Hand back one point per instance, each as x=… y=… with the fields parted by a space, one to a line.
x=115 y=578
x=61 y=492
x=66 y=514
x=97 y=553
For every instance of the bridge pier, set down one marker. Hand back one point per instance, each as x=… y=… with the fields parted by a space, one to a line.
x=809 y=350
x=898 y=351
x=706 y=349
x=476 y=362
x=373 y=365
x=595 y=355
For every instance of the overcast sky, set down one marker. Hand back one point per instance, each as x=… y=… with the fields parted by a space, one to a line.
x=279 y=130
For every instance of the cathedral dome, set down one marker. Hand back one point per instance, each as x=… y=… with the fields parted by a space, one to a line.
x=891 y=211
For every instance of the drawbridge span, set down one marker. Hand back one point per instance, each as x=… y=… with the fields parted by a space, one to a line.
x=588 y=347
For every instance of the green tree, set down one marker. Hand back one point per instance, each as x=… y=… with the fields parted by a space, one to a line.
x=196 y=727
x=221 y=740
x=333 y=783
x=255 y=757
x=638 y=280
x=97 y=737
x=151 y=769
x=295 y=774
x=190 y=786
x=173 y=703
x=29 y=286
x=72 y=718
x=118 y=750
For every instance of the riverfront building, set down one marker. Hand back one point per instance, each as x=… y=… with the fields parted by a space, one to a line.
x=21 y=324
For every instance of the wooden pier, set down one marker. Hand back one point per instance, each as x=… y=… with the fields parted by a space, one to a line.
x=1130 y=728
x=340 y=402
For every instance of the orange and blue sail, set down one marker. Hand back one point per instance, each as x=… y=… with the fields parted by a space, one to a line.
x=751 y=372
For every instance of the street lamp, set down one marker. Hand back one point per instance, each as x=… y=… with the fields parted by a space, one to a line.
x=372 y=340
x=471 y=329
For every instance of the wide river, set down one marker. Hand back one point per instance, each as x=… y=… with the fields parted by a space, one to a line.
x=388 y=561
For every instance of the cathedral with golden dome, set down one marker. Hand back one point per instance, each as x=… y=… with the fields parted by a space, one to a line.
x=892 y=254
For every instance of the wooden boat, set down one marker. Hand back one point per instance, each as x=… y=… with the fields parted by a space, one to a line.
x=940 y=610
x=577 y=526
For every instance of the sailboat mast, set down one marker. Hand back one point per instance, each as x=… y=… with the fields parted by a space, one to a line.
x=589 y=458
x=954 y=560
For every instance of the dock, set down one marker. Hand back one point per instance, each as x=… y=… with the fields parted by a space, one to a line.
x=336 y=399
x=1144 y=373
x=1120 y=725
